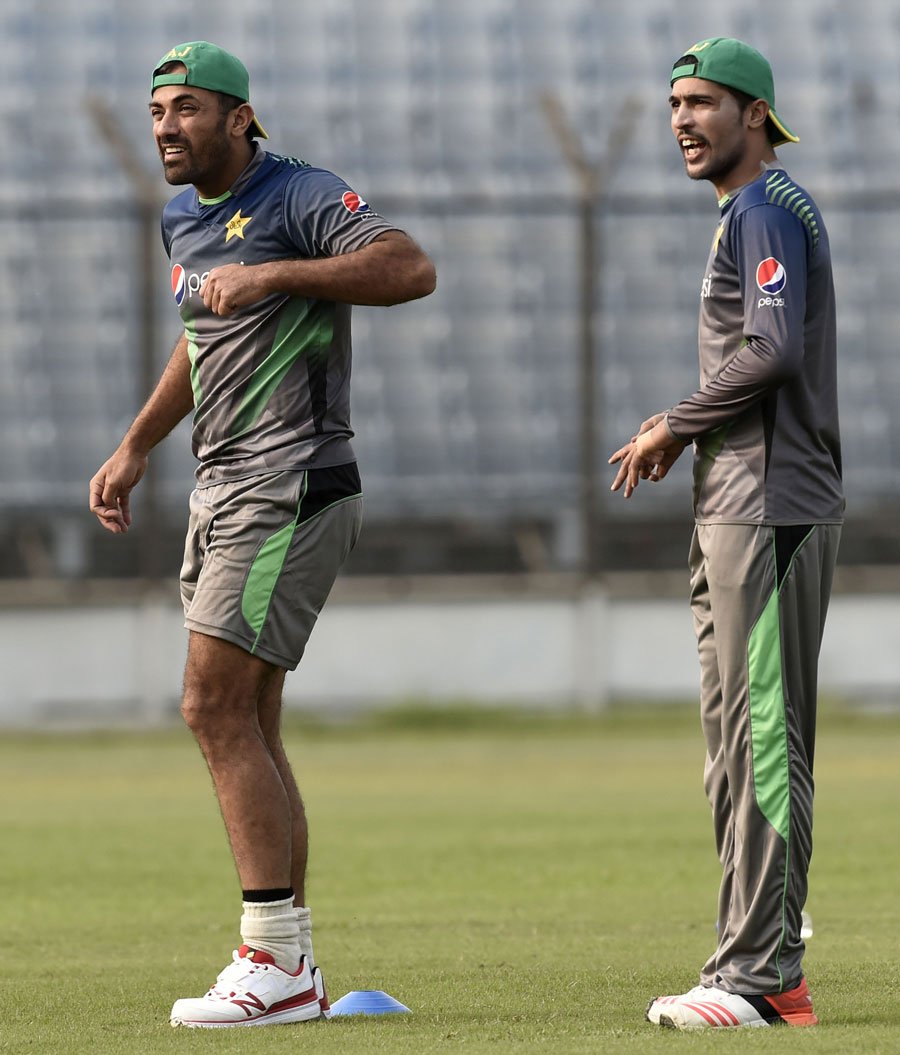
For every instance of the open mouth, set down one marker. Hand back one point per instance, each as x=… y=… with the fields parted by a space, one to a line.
x=691 y=147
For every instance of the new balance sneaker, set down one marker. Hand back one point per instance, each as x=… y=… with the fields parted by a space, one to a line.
x=253 y=991
x=705 y=1007
x=321 y=993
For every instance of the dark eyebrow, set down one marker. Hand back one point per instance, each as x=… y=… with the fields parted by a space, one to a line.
x=693 y=97
x=177 y=99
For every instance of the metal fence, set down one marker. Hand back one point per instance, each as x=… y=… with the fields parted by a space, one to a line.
x=467 y=406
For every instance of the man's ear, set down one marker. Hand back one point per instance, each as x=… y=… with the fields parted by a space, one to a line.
x=757 y=113
x=241 y=119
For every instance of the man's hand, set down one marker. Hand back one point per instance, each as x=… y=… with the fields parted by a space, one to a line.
x=111 y=487
x=234 y=286
x=391 y=269
x=647 y=456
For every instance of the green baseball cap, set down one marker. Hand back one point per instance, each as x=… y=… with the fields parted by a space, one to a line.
x=735 y=64
x=211 y=67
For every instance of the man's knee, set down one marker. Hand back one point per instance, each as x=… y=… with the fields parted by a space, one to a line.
x=222 y=688
x=202 y=713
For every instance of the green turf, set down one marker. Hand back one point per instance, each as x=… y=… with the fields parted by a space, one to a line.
x=522 y=885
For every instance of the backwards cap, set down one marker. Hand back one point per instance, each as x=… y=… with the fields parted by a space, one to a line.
x=211 y=67
x=735 y=64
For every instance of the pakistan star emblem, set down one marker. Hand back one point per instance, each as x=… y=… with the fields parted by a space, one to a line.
x=235 y=226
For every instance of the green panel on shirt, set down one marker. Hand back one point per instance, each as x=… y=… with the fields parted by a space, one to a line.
x=192 y=349
x=297 y=335
x=709 y=447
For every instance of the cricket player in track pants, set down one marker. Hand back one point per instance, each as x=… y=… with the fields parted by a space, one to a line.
x=768 y=506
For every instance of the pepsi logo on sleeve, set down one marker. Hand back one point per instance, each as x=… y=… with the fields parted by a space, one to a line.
x=771 y=278
x=353 y=203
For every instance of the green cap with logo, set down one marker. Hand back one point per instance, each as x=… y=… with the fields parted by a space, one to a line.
x=735 y=64
x=211 y=67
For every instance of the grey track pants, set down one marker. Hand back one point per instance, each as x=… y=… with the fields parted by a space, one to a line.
x=759 y=596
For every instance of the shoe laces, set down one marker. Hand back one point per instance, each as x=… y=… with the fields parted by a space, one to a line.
x=234 y=979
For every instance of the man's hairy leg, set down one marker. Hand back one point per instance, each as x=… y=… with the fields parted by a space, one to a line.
x=269 y=711
x=223 y=685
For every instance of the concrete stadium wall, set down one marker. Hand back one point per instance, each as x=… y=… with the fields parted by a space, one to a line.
x=109 y=662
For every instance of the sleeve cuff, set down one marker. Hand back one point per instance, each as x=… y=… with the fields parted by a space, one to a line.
x=672 y=432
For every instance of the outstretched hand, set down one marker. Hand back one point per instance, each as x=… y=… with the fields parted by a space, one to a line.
x=647 y=456
x=111 y=488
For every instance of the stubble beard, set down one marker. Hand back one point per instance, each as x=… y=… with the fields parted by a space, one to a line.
x=201 y=163
x=717 y=169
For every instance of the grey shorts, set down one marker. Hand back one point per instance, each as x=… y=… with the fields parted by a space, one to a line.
x=261 y=556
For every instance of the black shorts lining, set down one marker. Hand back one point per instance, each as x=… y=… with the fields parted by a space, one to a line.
x=788 y=539
x=326 y=487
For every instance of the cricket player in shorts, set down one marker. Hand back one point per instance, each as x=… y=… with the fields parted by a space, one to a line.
x=267 y=255
x=768 y=504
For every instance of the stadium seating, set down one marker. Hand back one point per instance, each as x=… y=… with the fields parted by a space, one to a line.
x=467 y=402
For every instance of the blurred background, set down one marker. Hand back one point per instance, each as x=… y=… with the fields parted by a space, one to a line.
x=526 y=146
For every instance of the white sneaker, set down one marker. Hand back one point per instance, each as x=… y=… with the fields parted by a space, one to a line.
x=659 y=1005
x=253 y=991
x=705 y=1007
x=319 y=981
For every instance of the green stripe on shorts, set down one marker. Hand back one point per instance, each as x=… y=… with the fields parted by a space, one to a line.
x=264 y=572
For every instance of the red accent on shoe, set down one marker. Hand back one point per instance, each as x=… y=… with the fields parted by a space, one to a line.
x=300 y=1000
x=795 y=1006
x=256 y=955
x=725 y=1016
x=702 y=1011
x=323 y=999
x=248 y=1001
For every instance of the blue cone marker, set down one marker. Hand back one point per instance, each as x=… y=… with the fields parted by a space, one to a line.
x=367 y=1002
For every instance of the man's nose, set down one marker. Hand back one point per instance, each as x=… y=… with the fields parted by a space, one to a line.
x=681 y=117
x=166 y=125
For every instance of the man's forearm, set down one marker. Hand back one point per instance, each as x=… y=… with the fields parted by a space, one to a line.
x=390 y=270
x=758 y=368
x=171 y=400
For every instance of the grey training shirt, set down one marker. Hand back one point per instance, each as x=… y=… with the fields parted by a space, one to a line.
x=271 y=382
x=765 y=419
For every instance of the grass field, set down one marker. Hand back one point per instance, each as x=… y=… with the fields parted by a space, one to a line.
x=522 y=885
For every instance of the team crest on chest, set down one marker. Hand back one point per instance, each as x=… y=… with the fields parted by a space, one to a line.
x=235 y=226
